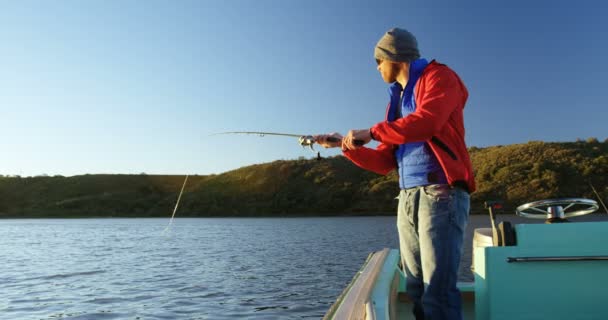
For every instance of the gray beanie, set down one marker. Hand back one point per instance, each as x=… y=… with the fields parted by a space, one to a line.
x=397 y=45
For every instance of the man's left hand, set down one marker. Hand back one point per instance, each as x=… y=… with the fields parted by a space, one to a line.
x=348 y=143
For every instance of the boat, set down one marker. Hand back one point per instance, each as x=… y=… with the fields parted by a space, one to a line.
x=555 y=270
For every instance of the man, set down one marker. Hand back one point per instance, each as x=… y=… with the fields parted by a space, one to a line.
x=423 y=137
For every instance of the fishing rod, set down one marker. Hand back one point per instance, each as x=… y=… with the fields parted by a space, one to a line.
x=303 y=140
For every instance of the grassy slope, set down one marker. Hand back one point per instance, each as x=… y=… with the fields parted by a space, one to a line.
x=514 y=173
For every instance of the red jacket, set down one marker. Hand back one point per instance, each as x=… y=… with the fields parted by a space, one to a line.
x=440 y=98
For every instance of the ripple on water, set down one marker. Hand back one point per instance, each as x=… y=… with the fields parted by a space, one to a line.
x=193 y=289
x=104 y=301
x=67 y=275
x=257 y=309
x=99 y=315
x=217 y=294
x=35 y=300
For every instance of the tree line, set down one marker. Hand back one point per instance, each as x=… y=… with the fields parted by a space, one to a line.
x=514 y=174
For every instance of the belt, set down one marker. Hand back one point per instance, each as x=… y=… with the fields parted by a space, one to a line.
x=460 y=184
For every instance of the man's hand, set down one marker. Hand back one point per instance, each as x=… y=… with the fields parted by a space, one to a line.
x=360 y=136
x=332 y=140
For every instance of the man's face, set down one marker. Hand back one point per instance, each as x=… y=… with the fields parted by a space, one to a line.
x=388 y=70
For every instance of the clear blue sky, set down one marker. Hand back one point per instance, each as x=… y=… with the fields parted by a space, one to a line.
x=138 y=86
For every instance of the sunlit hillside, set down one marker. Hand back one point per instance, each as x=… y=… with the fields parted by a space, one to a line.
x=513 y=173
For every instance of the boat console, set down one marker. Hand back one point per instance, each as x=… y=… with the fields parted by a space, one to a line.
x=554 y=270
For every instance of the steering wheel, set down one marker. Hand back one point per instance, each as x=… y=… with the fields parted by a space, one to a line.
x=556 y=208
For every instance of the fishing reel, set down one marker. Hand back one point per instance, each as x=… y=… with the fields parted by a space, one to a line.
x=307 y=141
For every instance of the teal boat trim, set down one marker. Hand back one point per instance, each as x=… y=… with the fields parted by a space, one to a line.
x=351 y=303
x=385 y=288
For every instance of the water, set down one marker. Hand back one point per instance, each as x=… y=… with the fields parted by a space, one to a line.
x=261 y=268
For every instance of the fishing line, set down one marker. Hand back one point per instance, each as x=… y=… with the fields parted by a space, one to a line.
x=176 y=205
x=598 y=197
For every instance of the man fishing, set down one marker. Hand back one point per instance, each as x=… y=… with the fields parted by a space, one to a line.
x=423 y=138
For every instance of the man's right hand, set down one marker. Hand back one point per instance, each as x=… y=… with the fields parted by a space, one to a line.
x=332 y=140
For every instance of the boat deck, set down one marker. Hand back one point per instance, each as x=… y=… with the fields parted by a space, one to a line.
x=378 y=292
x=404 y=305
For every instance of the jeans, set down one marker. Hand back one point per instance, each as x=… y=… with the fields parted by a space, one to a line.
x=431 y=221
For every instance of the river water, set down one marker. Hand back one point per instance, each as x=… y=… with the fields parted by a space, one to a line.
x=207 y=268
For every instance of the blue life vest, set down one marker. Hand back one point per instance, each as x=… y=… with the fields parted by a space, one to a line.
x=416 y=162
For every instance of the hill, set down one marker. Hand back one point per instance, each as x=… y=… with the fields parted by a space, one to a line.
x=516 y=174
